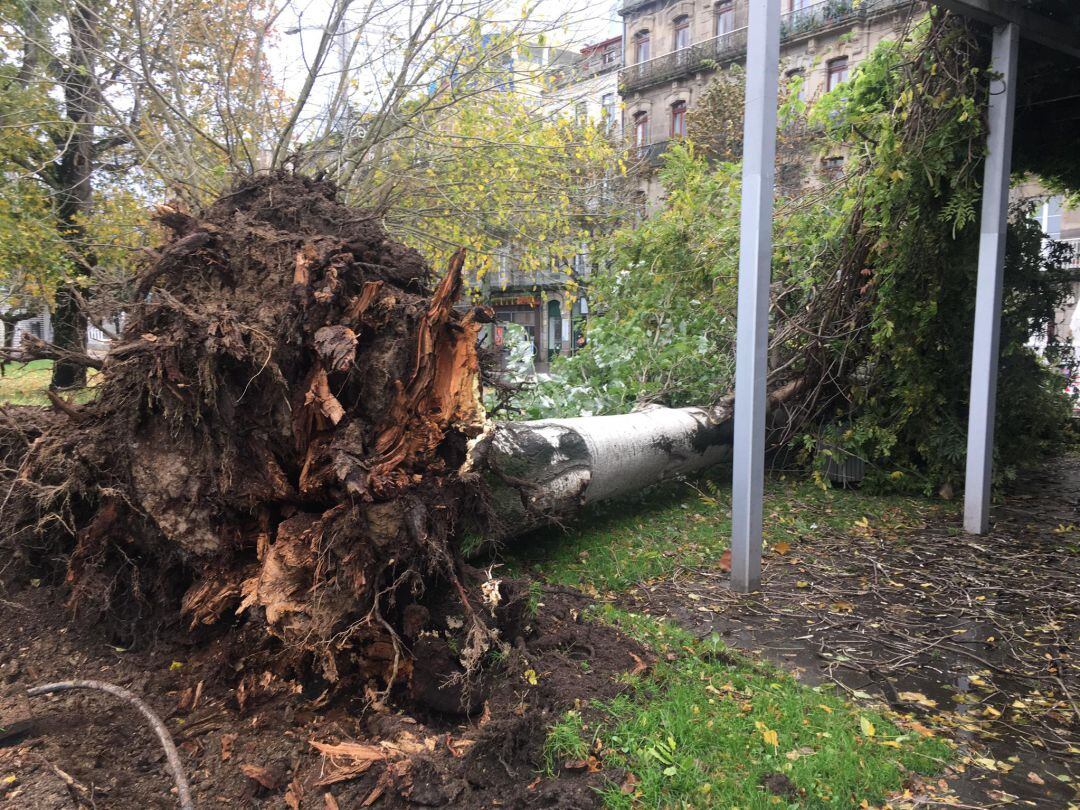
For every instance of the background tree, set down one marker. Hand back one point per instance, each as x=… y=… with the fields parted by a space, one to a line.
x=502 y=175
x=874 y=284
x=95 y=89
x=715 y=122
x=401 y=101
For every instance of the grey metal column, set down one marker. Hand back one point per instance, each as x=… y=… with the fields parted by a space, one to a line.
x=755 y=259
x=995 y=207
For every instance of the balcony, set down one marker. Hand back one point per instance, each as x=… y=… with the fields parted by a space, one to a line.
x=1074 y=261
x=516 y=280
x=701 y=55
x=727 y=47
x=648 y=156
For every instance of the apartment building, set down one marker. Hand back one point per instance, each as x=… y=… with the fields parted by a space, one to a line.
x=551 y=305
x=1061 y=224
x=590 y=90
x=672 y=48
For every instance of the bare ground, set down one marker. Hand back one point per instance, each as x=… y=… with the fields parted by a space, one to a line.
x=252 y=746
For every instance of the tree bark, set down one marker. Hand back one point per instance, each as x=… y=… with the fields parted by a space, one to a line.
x=74 y=173
x=69 y=337
x=544 y=471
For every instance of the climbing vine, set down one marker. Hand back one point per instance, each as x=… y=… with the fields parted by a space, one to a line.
x=912 y=122
x=873 y=283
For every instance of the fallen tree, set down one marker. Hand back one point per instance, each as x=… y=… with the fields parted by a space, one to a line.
x=278 y=434
x=289 y=430
x=544 y=471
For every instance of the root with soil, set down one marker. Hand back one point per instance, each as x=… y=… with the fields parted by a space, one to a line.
x=276 y=442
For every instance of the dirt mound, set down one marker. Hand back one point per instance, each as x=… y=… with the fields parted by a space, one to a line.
x=276 y=444
x=271 y=742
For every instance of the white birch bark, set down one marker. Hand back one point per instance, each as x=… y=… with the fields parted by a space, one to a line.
x=544 y=471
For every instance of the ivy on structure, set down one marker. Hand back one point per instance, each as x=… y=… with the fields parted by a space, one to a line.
x=911 y=120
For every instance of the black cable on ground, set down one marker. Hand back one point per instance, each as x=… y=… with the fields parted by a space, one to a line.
x=172 y=756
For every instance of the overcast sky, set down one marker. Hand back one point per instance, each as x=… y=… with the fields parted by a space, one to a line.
x=581 y=22
x=298 y=30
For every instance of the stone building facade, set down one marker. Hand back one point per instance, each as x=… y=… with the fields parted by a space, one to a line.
x=672 y=48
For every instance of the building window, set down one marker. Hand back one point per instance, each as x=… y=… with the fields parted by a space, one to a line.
x=682 y=33
x=581 y=113
x=641 y=131
x=610 y=110
x=838 y=72
x=678 y=119
x=641 y=47
x=791 y=177
x=555 y=329
x=1048 y=213
x=798 y=76
x=608 y=56
x=725 y=17
x=579 y=314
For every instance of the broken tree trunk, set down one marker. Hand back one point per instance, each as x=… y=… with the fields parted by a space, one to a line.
x=545 y=471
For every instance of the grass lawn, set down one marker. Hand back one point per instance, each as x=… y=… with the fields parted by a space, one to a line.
x=26 y=384
x=709 y=728
x=624 y=542
x=706 y=727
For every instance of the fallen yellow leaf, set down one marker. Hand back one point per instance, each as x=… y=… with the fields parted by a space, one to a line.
x=918 y=697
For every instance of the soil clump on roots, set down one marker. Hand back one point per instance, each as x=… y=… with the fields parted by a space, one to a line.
x=276 y=452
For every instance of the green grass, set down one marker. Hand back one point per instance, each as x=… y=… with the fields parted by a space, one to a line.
x=566 y=740
x=697 y=731
x=616 y=545
x=26 y=384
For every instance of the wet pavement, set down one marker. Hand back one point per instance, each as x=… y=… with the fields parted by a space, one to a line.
x=974 y=638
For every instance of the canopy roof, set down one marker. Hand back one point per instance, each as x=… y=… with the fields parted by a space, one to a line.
x=1048 y=86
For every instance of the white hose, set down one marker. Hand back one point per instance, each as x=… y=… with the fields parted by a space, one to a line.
x=172 y=756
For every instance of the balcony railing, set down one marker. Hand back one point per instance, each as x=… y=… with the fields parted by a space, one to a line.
x=1074 y=260
x=649 y=155
x=732 y=45
x=525 y=280
x=686 y=60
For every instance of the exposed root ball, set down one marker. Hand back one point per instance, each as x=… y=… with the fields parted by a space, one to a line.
x=278 y=435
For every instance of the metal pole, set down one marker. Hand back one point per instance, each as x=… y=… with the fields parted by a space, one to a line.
x=984 y=358
x=755 y=259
